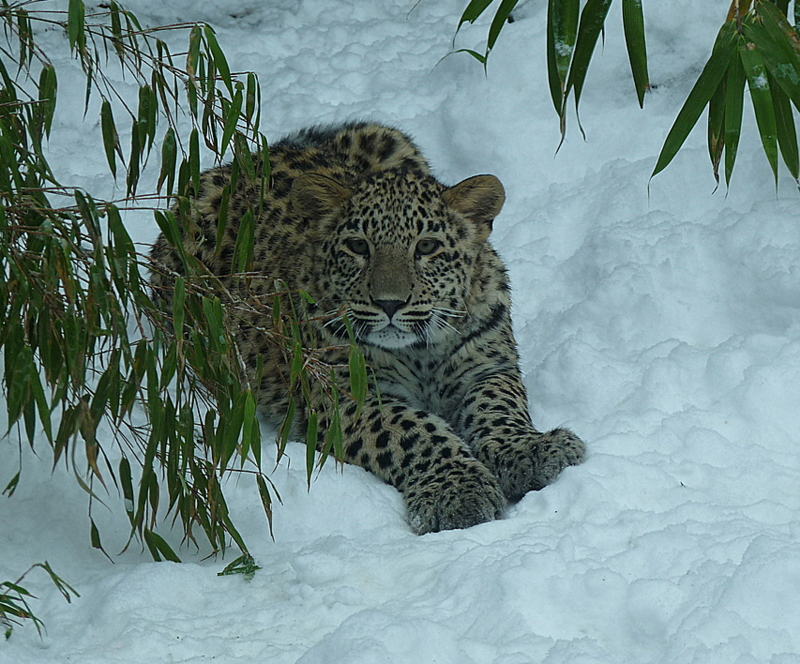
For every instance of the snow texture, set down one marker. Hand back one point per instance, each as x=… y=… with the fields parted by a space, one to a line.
x=662 y=325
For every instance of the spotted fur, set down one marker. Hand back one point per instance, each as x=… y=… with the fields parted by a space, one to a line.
x=354 y=218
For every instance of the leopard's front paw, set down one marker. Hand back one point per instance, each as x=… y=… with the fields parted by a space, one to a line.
x=534 y=462
x=555 y=451
x=458 y=493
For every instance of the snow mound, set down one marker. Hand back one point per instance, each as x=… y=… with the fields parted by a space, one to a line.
x=662 y=326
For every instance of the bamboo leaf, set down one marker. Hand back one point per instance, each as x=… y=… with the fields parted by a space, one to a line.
x=358 y=377
x=231 y=426
x=63 y=587
x=311 y=444
x=212 y=308
x=784 y=125
x=296 y=367
x=193 y=53
x=169 y=157
x=194 y=159
x=219 y=57
x=244 y=565
x=252 y=95
x=127 y=486
x=716 y=127
x=17 y=589
x=334 y=438
x=734 y=104
x=499 y=21
x=29 y=417
x=116 y=29
x=222 y=217
x=158 y=547
x=134 y=161
x=101 y=394
x=76 y=24
x=592 y=19
x=243 y=248
x=472 y=12
x=266 y=499
x=633 y=23
x=95 y=539
x=286 y=426
x=739 y=8
x=178 y=307
x=110 y=139
x=89 y=69
x=478 y=56
x=255 y=440
x=148 y=107
x=777 y=43
x=562 y=30
x=250 y=427
x=168 y=225
x=27 y=45
x=12 y=485
x=118 y=234
x=230 y=528
x=231 y=119
x=243 y=158
x=42 y=406
x=761 y=96
x=782 y=5
x=704 y=88
x=48 y=88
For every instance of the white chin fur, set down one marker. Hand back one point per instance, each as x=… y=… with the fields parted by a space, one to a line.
x=391 y=338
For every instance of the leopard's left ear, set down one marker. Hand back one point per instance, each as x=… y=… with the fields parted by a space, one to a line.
x=480 y=199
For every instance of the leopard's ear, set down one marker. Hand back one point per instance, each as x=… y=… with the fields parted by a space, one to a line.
x=314 y=195
x=480 y=199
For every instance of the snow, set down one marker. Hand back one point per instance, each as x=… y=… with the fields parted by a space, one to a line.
x=661 y=324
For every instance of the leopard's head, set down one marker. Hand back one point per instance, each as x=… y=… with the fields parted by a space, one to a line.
x=396 y=252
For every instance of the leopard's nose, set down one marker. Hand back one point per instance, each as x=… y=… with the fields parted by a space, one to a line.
x=390 y=306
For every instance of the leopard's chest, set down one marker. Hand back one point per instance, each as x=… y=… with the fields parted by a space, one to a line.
x=413 y=376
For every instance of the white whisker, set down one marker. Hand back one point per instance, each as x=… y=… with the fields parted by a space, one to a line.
x=338 y=319
x=444 y=311
x=437 y=318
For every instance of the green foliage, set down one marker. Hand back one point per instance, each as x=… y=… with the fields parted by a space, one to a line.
x=153 y=404
x=307 y=373
x=244 y=565
x=761 y=48
x=14 y=599
x=757 y=46
x=572 y=35
x=83 y=345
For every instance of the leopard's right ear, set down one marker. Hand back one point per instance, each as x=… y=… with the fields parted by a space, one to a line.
x=314 y=195
x=479 y=198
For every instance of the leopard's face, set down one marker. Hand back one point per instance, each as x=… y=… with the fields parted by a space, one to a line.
x=397 y=258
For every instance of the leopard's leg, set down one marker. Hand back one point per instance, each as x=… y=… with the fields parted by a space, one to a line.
x=496 y=423
x=491 y=414
x=443 y=485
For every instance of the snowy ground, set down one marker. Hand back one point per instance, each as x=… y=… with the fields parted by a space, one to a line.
x=665 y=329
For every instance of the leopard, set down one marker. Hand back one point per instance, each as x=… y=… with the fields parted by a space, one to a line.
x=372 y=249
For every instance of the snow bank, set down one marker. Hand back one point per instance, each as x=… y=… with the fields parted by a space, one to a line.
x=663 y=328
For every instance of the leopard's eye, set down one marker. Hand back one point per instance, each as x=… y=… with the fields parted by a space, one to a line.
x=358 y=246
x=427 y=246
